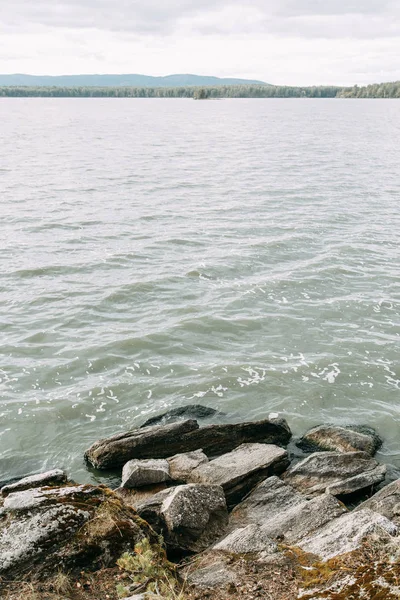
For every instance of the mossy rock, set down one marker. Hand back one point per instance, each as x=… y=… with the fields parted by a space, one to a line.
x=65 y=528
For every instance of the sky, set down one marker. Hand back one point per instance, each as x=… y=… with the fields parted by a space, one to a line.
x=286 y=42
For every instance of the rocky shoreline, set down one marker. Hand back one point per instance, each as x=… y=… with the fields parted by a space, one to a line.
x=237 y=514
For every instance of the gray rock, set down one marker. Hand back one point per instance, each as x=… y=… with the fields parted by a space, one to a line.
x=139 y=473
x=46 y=529
x=181 y=465
x=246 y=540
x=33 y=498
x=165 y=441
x=50 y=478
x=190 y=517
x=237 y=472
x=282 y=513
x=146 y=442
x=340 y=439
x=385 y=502
x=212 y=576
x=191 y=411
x=336 y=473
x=347 y=533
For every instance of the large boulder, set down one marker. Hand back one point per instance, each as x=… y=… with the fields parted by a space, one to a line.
x=147 y=442
x=50 y=478
x=163 y=441
x=140 y=473
x=340 y=439
x=237 y=472
x=280 y=512
x=70 y=527
x=347 y=533
x=385 y=502
x=190 y=411
x=190 y=517
x=336 y=473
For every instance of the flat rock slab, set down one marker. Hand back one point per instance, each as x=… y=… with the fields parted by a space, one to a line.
x=347 y=533
x=216 y=575
x=280 y=512
x=191 y=411
x=190 y=517
x=386 y=502
x=139 y=473
x=237 y=472
x=163 y=441
x=340 y=439
x=46 y=529
x=246 y=540
x=336 y=473
x=50 y=478
x=182 y=465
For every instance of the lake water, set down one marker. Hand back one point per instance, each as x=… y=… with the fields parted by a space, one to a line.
x=243 y=254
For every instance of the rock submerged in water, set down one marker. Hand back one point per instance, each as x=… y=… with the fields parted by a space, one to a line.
x=191 y=411
x=163 y=441
x=337 y=473
x=340 y=439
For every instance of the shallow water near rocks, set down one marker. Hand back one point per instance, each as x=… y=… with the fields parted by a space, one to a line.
x=243 y=254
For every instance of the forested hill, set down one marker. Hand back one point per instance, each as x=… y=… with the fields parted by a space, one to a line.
x=385 y=90
x=125 y=80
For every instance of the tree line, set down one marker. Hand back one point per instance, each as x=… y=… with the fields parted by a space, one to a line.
x=376 y=90
x=384 y=90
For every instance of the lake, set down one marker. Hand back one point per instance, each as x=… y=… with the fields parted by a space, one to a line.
x=243 y=254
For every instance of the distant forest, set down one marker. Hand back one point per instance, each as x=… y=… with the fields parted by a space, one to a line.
x=384 y=90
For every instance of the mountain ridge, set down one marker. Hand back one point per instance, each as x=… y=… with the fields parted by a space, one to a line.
x=122 y=80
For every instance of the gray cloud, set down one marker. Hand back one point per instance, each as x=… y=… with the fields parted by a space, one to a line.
x=302 y=18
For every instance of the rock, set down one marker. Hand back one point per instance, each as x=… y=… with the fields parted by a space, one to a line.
x=181 y=465
x=282 y=513
x=340 y=439
x=44 y=530
x=191 y=411
x=190 y=517
x=347 y=533
x=163 y=441
x=237 y=472
x=211 y=576
x=133 y=498
x=385 y=502
x=49 y=478
x=146 y=442
x=246 y=540
x=138 y=473
x=336 y=473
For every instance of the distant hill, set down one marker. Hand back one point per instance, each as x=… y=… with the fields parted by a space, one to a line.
x=120 y=80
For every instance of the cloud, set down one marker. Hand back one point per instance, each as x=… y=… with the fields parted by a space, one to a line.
x=295 y=42
x=305 y=18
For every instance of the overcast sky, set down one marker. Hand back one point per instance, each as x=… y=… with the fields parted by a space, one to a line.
x=298 y=42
